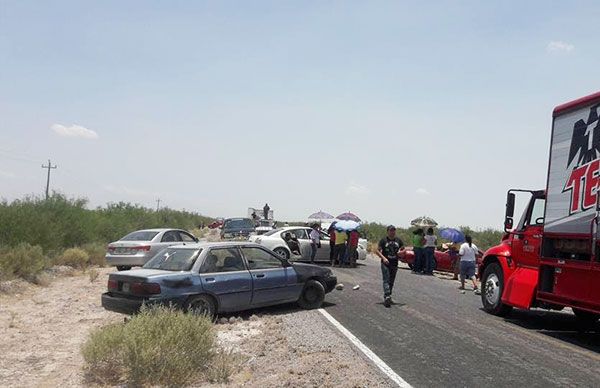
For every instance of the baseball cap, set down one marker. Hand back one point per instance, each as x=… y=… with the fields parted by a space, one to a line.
x=391 y=227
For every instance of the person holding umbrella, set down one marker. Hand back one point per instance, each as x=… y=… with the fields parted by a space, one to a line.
x=389 y=250
x=418 y=242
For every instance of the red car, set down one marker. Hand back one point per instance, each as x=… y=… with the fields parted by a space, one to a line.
x=443 y=261
x=216 y=223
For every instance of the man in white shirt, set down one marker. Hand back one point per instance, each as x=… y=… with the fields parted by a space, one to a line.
x=315 y=241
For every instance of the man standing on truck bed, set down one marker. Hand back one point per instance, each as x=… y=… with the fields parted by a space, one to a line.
x=389 y=249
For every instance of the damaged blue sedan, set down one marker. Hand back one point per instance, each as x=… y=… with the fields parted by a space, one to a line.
x=212 y=278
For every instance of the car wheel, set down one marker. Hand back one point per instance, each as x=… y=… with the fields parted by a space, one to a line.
x=202 y=305
x=312 y=295
x=123 y=267
x=282 y=252
x=585 y=316
x=492 y=286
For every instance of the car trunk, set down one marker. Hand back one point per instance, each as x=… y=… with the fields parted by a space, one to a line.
x=145 y=282
x=128 y=247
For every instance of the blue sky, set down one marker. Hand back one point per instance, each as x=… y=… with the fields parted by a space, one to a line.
x=389 y=109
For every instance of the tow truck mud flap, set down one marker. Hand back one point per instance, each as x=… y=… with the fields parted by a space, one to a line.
x=520 y=288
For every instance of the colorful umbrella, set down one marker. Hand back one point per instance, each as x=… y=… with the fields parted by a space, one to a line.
x=347 y=225
x=423 y=222
x=348 y=217
x=320 y=215
x=451 y=234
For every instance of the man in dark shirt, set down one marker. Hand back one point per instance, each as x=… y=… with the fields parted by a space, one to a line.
x=390 y=248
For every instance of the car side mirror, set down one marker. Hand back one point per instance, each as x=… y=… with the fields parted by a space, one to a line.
x=510 y=205
x=508 y=224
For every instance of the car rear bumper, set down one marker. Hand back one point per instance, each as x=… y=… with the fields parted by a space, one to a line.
x=124 y=305
x=129 y=260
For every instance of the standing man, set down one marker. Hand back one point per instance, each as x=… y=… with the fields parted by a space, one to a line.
x=266 y=211
x=389 y=249
x=331 y=232
x=339 y=251
x=418 y=242
x=315 y=242
x=353 y=237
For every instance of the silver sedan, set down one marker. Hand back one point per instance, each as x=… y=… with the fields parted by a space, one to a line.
x=138 y=247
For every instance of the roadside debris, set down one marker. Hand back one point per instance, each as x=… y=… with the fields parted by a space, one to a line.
x=357 y=287
x=339 y=286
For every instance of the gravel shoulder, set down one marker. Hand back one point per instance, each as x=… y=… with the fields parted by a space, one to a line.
x=43 y=328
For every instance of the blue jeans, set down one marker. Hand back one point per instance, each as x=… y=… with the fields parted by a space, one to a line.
x=313 y=252
x=429 y=259
x=418 y=264
x=388 y=275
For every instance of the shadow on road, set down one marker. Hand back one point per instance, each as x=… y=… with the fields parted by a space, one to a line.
x=558 y=325
x=281 y=309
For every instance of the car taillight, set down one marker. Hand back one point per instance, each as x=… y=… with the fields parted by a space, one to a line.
x=113 y=285
x=110 y=248
x=145 y=288
x=145 y=248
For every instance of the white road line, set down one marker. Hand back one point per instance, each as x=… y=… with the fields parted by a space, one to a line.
x=367 y=352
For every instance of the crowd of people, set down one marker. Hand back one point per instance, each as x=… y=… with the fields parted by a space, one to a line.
x=391 y=248
x=342 y=244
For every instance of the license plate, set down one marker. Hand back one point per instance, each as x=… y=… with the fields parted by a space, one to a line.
x=125 y=287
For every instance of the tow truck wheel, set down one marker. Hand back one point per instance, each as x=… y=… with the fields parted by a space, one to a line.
x=492 y=286
x=585 y=316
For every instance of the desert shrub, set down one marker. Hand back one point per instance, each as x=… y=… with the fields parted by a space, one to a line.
x=93 y=274
x=24 y=261
x=42 y=279
x=159 y=346
x=73 y=257
x=96 y=253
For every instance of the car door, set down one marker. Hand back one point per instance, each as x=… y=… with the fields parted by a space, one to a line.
x=324 y=250
x=304 y=242
x=224 y=274
x=272 y=282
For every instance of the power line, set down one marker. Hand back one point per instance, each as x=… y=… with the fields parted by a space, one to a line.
x=48 y=167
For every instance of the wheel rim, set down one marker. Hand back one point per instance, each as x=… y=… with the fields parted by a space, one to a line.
x=281 y=253
x=492 y=289
x=201 y=307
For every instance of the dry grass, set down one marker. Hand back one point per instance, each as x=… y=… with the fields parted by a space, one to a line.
x=371 y=247
x=159 y=346
x=96 y=254
x=73 y=257
x=93 y=274
x=43 y=279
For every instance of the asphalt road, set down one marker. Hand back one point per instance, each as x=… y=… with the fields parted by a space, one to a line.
x=435 y=336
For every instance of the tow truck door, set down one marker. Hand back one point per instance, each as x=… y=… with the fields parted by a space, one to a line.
x=528 y=237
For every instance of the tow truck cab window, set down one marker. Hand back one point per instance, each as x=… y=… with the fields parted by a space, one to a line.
x=536 y=212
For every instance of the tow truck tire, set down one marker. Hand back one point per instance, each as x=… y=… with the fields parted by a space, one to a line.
x=585 y=316
x=312 y=295
x=492 y=286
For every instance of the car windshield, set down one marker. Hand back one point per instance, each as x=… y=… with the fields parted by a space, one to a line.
x=272 y=232
x=174 y=259
x=241 y=223
x=141 y=235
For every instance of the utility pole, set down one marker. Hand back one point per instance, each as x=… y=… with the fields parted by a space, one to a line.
x=157 y=204
x=48 y=167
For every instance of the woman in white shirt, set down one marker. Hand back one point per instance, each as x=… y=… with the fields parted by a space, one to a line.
x=468 y=254
x=430 y=244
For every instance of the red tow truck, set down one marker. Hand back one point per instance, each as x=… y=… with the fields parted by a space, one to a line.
x=551 y=257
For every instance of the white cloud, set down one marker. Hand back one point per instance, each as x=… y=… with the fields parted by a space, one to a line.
x=356 y=189
x=422 y=191
x=6 y=174
x=559 y=46
x=74 y=131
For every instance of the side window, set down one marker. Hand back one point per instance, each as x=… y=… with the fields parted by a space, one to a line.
x=537 y=212
x=186 y=237
x=299 y=233
x=261 y=259
x=222 y=260
x=171 y=236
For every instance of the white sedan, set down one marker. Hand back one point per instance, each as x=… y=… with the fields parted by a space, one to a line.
x=274 y=241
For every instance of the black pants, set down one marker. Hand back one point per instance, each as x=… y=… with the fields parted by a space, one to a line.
x=331 y=251
x=388 y=274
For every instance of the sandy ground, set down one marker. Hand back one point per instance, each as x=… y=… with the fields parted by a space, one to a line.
x=42 y=330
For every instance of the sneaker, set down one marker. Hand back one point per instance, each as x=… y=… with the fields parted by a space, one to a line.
x=387 y=302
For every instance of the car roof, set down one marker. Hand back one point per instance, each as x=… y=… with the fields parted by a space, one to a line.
x=156 y=230
x=216 y=244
